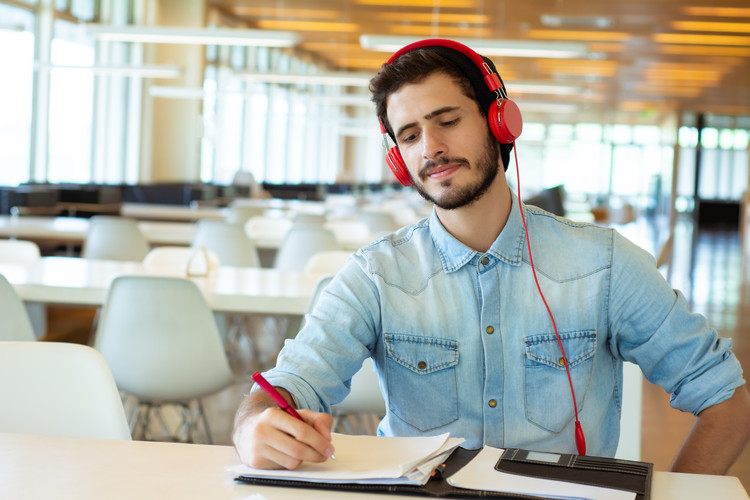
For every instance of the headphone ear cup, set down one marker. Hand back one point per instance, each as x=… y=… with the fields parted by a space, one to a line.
x=505 y=121
x=396 y=162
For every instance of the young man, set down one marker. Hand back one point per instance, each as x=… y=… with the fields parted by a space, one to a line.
x=449 y=309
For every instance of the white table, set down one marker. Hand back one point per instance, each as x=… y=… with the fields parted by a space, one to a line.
x=72 y=231
x=77 y=281
x=173 y=213
x=73 y=468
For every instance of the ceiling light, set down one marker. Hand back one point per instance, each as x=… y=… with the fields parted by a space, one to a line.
x=590 y=36
x=705 y=50
x=547 y=107
x=711 y=26
x=702 y=39
x=149 y=71
x=283 y=24
x=421 y=3
x=429 y=17
x=717 y=11
x=521 y=87
x=343 y=79
x=204 y=36
x=505 y=48
x=588 y=21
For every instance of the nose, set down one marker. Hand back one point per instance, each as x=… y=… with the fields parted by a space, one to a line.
x=434 y=145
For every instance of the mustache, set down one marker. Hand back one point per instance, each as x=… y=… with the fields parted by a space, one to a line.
x=443 y=160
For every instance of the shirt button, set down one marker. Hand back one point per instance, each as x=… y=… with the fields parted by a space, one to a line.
x=484 y=261
x=489 y=329
x=561 y=361
x=421 y=365
x=492 y=403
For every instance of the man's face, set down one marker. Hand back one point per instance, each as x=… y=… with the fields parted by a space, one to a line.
x=445 y=141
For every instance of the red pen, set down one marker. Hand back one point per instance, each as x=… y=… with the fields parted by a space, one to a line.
x=278 y=398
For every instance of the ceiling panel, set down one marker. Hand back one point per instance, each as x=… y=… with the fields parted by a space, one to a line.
x=645 y=57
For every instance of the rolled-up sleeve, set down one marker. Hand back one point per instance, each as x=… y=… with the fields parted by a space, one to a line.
x=651 y=325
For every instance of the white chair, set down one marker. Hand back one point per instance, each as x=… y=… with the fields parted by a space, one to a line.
x=181 y=261
x=19 y=252
x=267 y=227
x=239 y=213
x=162 y=343
x=59 y=389
x=114 y=238
x=379 y=222
x=14 y=319
x=350 y=230
x=327 y=262
x=26 y=253
x=304 y=218
x=301 y=243
x=629 y=447
x=228 y=241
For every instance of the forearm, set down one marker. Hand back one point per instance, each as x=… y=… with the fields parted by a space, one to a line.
x=718 y=436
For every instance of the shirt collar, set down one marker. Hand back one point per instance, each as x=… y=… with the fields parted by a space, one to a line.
x=508 y=247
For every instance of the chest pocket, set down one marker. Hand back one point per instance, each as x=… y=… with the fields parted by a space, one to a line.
x=421 y=375
x=548 y=401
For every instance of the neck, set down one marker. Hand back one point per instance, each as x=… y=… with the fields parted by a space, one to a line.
x=478 y=224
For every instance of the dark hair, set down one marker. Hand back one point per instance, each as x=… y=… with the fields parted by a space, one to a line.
x=416 y=65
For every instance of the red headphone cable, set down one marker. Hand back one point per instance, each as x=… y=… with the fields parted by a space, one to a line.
x=580 y=439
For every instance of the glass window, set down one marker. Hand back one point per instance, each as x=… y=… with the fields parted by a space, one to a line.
x=741 y=139
x=560 y=132
x=621 y=134
x=710 y=138
x=726 y=138
x=84 y=10
x=71 y=106
x=589 y=132
x=687 y=137
x=646 y=134
x=533 y=132
x=17 y=59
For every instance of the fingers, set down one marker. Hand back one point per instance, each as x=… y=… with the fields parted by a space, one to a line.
x=273 y=439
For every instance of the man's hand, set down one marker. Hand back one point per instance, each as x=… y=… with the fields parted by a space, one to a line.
x=266 y=437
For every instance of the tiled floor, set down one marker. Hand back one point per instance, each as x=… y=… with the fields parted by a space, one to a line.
x=708 y=267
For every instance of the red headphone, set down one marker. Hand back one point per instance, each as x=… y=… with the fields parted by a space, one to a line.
x=504 y=117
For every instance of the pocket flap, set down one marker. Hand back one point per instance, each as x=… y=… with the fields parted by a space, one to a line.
x=421 y=354
x=544 y=349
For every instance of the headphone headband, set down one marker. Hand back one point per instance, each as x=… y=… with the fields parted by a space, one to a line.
x=491 y=78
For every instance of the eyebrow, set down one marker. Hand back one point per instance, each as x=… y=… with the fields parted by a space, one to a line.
x=428 y=116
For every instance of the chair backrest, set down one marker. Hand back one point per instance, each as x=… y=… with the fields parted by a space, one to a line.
x=301 y=243
x=181 y=261
x=379 y=222
x=14 y=319
x=239 y=214
x=19 y=252
x=328 y=262
x=629 y=447
x=59 y=389
x=114 y=238
x=161 y=340
x=350 y=230
x=263 y=227
x=228 y=241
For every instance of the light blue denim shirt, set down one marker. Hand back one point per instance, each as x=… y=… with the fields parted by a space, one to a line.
x=463 y=343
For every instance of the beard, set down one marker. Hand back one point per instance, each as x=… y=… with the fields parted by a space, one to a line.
x=450 y=199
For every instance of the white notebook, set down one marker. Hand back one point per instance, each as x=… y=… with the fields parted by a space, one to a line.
x=369 y=459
